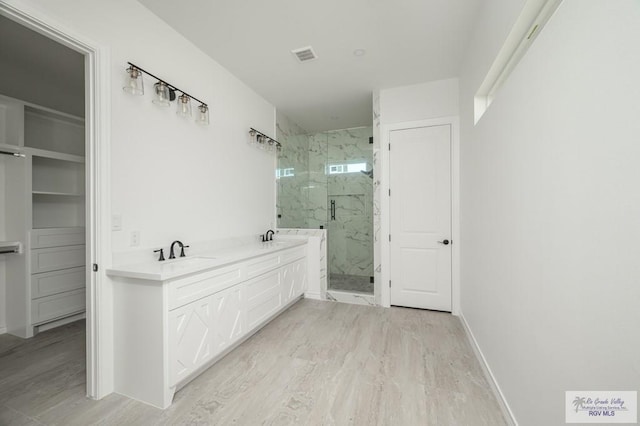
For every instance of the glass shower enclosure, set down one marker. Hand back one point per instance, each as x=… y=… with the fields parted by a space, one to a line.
x=325 y=180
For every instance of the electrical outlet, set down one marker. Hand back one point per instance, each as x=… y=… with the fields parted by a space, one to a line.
x=135 y=238
x=116 y=222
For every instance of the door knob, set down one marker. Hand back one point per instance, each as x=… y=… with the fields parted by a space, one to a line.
x=445 y=242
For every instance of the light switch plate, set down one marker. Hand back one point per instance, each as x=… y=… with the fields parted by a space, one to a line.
x=116 y=222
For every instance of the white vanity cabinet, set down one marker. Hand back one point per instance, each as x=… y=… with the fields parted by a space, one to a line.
x=167 y=332
x=210 y=319
x=291 y=284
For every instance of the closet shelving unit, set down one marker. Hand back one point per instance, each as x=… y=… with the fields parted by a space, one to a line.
x=44 y=211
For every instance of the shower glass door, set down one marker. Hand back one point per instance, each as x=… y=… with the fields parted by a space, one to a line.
x=350 y=210
x=325 y=181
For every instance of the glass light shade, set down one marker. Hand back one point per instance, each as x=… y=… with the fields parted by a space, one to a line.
x=133 y=81
x=262 y=139
x=184 y=106
x=253 y=137
x=202 y=117
x=162 y=94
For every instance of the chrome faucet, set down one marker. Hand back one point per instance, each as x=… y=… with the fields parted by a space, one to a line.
x=182 y=247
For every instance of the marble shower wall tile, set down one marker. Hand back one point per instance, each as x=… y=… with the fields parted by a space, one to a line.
x=351 y=250
x=316 y=208
x=351 y=145
x=351 y=233
x=377 y=193
x=293 y=167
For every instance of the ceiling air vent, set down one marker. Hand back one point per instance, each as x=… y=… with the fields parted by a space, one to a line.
x=305 y=54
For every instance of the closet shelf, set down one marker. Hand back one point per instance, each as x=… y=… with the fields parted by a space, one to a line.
x=53 y=115
x=64 y=194
x=8 y=247
x=36 y=152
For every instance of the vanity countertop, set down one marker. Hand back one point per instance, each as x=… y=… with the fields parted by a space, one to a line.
x=199 y=262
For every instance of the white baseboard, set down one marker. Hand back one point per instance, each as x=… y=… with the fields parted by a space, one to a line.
x=62 y=321
x=502 y=401
x=3 y=330
x=310 y=295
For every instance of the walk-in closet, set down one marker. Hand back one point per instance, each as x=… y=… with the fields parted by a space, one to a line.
x=42 y=175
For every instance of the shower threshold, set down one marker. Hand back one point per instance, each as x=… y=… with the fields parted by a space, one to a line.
x=354 y=289
x=351 y=283
x=351 y=297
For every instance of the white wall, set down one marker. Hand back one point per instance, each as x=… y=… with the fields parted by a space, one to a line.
x=419 y=101
x=550 y=207
x=172 y=179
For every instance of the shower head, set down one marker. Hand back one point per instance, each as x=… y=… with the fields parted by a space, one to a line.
x=367 y=172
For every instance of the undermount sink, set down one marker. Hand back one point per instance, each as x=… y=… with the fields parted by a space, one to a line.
x=271 y=244
x=185 y=262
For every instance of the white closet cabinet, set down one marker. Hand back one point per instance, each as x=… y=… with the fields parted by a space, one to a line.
x=44 y=210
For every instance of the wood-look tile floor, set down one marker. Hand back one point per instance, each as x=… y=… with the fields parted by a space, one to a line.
x=319 y=363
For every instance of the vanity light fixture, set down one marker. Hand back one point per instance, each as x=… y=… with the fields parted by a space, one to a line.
x=263 y=141
x=165 y=93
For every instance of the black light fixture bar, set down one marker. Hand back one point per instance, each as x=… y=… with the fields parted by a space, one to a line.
x=258 y=132
x=171 y=86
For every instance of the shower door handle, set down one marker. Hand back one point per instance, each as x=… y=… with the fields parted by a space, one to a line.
x=333 y=209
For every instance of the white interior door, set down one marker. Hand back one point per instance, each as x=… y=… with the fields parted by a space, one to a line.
x=420 y=217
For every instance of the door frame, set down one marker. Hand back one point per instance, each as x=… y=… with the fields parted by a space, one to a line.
x=97 y=133
x=385 y=207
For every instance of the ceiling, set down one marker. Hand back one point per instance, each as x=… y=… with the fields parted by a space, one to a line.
x=37 y=69
x=406 y=42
